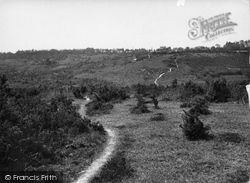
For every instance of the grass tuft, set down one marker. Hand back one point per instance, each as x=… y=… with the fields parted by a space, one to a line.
x=157 y=117
x=230 y=137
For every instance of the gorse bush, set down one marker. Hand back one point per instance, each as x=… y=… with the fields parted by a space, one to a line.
x=148 y=90
x=104 y=97
x=199 y=109
x=77 y=93
x=193 y=128
x=108 y=94
x=238 y=91
x=97 y=126
x=155 y=101
x=198 y=104
x=217 y=90
x=98 y=107
x=140 y=107
x=174 y=83
x=157 y=117
x=190 y=90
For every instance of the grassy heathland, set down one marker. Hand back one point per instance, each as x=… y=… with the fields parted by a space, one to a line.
x=156 y=151
x=121 y=69
x=148 y=150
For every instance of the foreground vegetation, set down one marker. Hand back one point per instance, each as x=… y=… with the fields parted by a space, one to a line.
x=39 y=134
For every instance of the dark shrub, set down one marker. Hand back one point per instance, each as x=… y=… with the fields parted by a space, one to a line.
x=98 y=107
x=185 y=105
x=77 y=93
x=83 y=89
x=193 y=128
x=174 y=83
x=81 y=126
x=217 y=90
x=140 y=107
x=246 y=72
x=230 y=137
x=108 y=94
x=155 y=101
x=239 y=176
x=238 y=91
x=33 y=91
x=97 y=126
x=157 y=117
x=33 y=129
x=199 y=106
x=148 y=90
x=197 y=110
x=190 y=90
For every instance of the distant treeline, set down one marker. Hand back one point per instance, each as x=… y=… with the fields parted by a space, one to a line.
x=54 y=55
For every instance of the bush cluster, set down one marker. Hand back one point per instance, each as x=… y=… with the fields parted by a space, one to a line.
x=79 y=91
x=111 y=93
x=198 y=104
x=191 y=90
x=217 y=90
x=238 y=91
x=104 y=96
x=33 y=129
x=148 y=90
x=98 y=107
x=106 y=93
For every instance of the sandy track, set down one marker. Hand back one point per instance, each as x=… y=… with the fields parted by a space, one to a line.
x=88 y=174
x=170 y=70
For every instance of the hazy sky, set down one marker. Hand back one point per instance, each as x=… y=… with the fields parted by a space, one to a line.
x=69 y=24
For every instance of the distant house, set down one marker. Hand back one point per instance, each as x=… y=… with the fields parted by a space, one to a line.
x=103 y=50
x=128 y=51
x=120 y=50
x=174 y=49
x=163 y=49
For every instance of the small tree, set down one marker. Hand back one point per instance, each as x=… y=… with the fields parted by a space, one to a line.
x=155 y=101
x=217 y=90
x=198 y=104
x=193 y=128
x=140 y=107
x=174 y=83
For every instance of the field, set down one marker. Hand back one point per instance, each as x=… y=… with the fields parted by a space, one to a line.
x=156 y=151
x=147 y=150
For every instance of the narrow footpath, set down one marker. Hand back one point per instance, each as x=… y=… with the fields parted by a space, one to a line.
x=88 y=174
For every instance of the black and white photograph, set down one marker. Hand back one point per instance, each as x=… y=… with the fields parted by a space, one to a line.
x=125 y=91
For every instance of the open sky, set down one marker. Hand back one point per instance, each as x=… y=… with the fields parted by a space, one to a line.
x=77 y=24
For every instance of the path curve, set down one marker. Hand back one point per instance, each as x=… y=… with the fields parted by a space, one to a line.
x=170 y=70
x=88 y=174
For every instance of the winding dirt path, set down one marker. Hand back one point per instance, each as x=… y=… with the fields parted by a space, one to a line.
x=170 y=70
x=155 y=81
x=88 y=174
